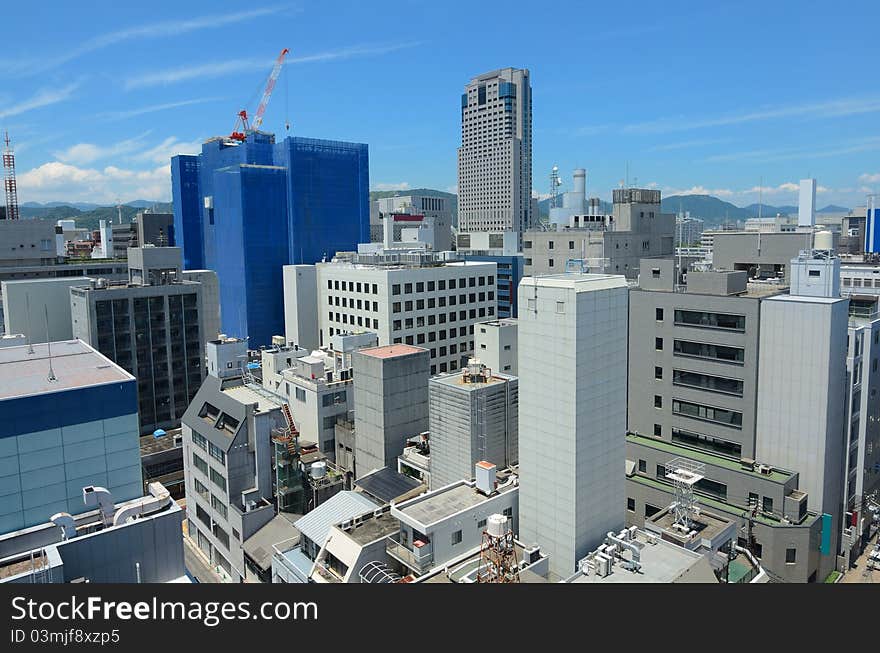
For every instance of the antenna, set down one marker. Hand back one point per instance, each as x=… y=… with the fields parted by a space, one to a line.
x=760 y=197
x=49 y=344
x=27 y=303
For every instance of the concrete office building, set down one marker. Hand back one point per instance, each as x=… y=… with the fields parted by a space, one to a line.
x=437 y=209
x=66 y=421
x=801 y=407
x=495 y=343
x=151 y=327
x=227 y=455
x=413 y=298
x=300 y=302
x=495 y=157
x=572 y=338
x=210 y=312
x=27 y=242
x=390 y=402
x=318 y=387
x=29 y=303
x=473 y=417
x=613 y=244
x=155 y=229
x=136 y=541
x=693 y=395
x=762 y=255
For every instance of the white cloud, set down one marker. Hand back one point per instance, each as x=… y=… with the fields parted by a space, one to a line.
x=787 y=187
x=43 y=98
x=699 y=190
x=85 y=153
x=403 y=185
x=221 y=68
x=62 y=181
x=151 y=30
x=815 y=110
x=162 y=152
x=452 y=189
x=870 y=178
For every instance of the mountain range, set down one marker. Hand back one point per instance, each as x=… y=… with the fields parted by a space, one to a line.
x=88 y=216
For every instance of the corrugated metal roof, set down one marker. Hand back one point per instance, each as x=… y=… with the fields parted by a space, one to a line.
x=337 y=509
x=259 y=545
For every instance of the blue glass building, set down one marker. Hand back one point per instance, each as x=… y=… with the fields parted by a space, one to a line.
x=259 y=205
x=510 y=273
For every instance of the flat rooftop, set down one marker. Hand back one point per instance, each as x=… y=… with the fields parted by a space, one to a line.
x=777 y=475
x=806 y=299
x=75 y=364
x=580 y=282
x=662 y=562
x=373 y=529
x=436 y=506
x=247 y=395
x=392 y=351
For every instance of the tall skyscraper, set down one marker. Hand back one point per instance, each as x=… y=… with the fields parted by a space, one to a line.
x=572 y=412
x=495 y=157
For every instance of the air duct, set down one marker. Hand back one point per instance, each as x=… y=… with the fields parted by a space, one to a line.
x=159 y=498
x=99 y=497
x=65 y=522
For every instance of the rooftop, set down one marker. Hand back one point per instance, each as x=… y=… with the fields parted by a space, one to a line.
x=807 y=299
x=440 y=504
x=777 y=475
x=372 y=529
x=661 y=562
x=456 y=379
x=259 y=545
x=247 y=394
x=339 y=508
x=75 y=364
x=387 y=484
x=392 y=351
x=580 y=282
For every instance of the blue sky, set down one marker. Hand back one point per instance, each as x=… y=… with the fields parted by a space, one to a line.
x=688 y=97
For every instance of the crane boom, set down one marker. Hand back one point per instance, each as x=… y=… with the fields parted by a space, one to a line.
x=270 y=86
x=261 y=109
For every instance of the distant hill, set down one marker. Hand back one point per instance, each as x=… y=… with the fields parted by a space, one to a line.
x=82 y=206
x=90 y=219
x=833 y=208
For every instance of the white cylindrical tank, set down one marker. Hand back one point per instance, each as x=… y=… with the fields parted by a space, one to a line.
x=319 y=469
x=824 y=240
x=496 y=525
x=580 y=181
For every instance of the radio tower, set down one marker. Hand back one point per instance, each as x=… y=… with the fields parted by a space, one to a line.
x=12 y=212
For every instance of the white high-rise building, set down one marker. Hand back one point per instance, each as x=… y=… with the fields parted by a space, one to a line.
x=807 y=203
x=572 y=412
x=495 y=157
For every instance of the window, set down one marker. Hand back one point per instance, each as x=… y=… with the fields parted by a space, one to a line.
x=219 y=507
x=708 y=413
x=630 y=504
x=707 y=382
x=217 y=453
x=658 y=401
x=395 y=289
x=200 y=440
x=218 y=479
x=650 y=510
x=655 y=273
x=712 y=488
x=791 y=554
x=201 y=489
x=721 y=353
x=658 y=372
x=420 y=286
x=560 y=307
x=395 y=307
x=507 y=512
x=768 y=505
x=300 y=394
x=658 y=344
x=813 y=273
x=550 y=245
x=571 y=244
x=550 y=263
x=200 y=464
x=527 y=244
x=658 y=430
x=643 y=466
x=431 y=286
x=707 y=443
x=481 y=523
x=753 y=500
x=658 y=314
x=710 y=320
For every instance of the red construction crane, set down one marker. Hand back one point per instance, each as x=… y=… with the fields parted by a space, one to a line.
x=242 y=120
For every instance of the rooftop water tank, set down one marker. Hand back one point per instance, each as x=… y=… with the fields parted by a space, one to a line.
x=824 y=240
x=319 y=469
x=496 y=525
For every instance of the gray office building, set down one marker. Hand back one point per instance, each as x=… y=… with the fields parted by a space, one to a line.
x=693 y=395
x=614 y=244
x=150 y=326
x=473 y=417
x=390 y=402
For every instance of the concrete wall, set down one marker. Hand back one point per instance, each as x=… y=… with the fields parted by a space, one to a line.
x=390 y=405
x=27 y=242
x=572 y=338
x=801 y=411
x=210 y=300
x=764 y=252
x=495 y=343
x=42 y=295
x=301 y=305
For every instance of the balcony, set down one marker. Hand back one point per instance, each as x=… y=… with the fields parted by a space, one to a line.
x=419 y=560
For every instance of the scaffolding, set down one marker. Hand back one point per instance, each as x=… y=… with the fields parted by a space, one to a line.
x=684 y=474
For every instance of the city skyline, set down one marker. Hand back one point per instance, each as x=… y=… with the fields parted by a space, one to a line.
x=659 y=101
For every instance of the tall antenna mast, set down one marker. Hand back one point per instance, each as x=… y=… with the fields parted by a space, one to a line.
x=9 y=184
x=49 y=344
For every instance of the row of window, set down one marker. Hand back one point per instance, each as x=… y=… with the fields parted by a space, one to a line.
x=418 y=322
x=442 y=284
x=352 y=286
x=433 y=302
x=216 y=477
